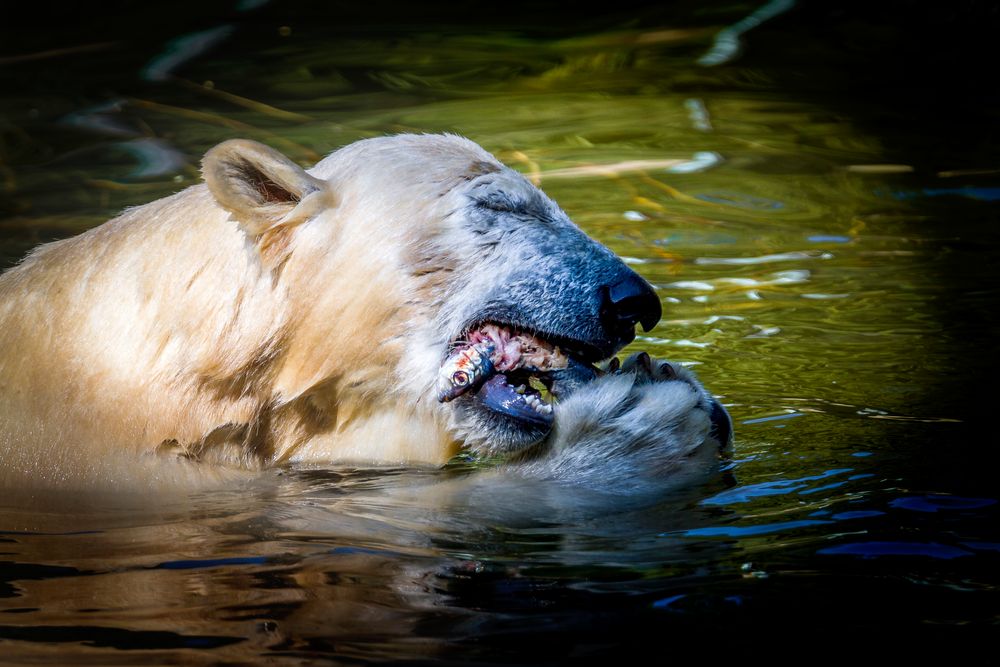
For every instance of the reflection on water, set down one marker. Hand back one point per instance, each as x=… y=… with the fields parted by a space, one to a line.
x=827 y=290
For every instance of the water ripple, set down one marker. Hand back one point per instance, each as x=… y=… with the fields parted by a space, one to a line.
x=744 y=494
x=765 y=259
x=877 y=549
x=935 y=503
x=744 y=531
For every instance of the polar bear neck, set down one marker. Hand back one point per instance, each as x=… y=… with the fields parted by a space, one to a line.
x=196 y=354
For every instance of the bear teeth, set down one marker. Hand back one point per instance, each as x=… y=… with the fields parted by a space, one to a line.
x=538 y=405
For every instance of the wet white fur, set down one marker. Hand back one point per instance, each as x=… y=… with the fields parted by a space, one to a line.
x=218 y=330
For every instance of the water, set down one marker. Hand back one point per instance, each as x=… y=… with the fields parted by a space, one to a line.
x=824 y=245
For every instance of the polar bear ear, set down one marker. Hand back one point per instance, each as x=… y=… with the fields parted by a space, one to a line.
x=261 y=187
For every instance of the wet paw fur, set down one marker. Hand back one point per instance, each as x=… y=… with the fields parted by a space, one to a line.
x=646 y=424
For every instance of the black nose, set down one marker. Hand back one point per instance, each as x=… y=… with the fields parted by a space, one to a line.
x=627 y=302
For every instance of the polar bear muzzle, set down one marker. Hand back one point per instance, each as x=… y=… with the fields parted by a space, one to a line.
x=539 y=304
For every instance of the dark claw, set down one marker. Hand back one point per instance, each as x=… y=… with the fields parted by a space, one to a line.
x=640 y=364
x=646 y=363
x=722 y=425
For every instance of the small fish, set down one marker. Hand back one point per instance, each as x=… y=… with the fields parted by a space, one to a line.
x=465 y=370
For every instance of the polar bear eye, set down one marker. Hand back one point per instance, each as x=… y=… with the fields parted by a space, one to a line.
x=500 y=203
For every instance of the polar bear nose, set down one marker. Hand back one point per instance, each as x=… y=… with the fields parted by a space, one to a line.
x=630 y=301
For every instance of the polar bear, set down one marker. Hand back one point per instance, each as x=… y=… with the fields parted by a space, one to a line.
x=407 y=297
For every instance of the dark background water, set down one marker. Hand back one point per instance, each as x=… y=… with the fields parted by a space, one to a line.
x=824 y=244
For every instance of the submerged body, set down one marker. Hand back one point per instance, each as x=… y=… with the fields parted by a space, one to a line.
x=250 y=321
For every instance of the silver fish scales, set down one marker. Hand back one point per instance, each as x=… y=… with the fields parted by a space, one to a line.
x=465 y=370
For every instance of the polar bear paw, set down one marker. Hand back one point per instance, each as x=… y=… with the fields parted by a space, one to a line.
x=644 y=424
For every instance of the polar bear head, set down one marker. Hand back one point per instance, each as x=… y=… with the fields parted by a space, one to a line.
x=405 y=258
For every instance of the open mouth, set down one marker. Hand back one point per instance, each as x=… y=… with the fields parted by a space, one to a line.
x=512 y=373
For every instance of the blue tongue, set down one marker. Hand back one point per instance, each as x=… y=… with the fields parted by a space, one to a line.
x=500 y=397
